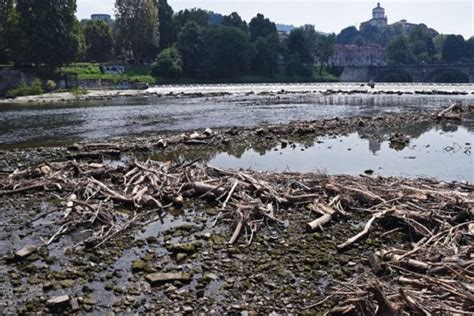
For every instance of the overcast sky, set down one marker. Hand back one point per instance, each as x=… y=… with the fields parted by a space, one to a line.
x=446 y=16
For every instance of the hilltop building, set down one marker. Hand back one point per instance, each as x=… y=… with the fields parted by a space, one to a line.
x=379 y=19
x=353 y=55
x=101 y=17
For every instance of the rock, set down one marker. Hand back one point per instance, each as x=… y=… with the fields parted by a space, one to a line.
x=89 y=301
x=139 y=265
x=181 y=257
x=185 y=247
x=161 y=143
x=211 y=277
x=260 y=131
x=194 y=135
x=75 y=305
x=369 y=172
x=26 y=251
x=208 y=132
x=159 y=277
x=58 y=301
x=284 y=143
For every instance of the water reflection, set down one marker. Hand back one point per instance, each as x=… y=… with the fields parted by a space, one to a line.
x=37 y=125
x=435 y=150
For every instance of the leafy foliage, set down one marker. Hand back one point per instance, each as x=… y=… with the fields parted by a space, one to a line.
x=169 y=64
x=99 y=41
x=24 y=90
x=167 y=27
x=47 y=32
x=138 y=26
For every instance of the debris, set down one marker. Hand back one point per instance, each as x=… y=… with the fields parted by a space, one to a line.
x=453 y=112
x=159 y=277
x=26 y=251
x=58 y=301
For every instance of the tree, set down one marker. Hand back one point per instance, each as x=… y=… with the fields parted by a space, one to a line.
x=169 y=64
x=261 y=27
x=6 y=16
x=347 y=35
x=325 y=47
x=398 y=50
x=421 y=43
x=302 y=40
x=191 y=46
x=226 y=53
x=167 y=29
x=138 y=26
x=198 y=16
x=48 y=32
x=470 y=49
x=235 y=20
x=454 y=48
x=266 y=57
x=99 y=41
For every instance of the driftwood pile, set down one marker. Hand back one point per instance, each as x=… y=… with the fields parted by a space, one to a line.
x=433 y=274
x=452 y=112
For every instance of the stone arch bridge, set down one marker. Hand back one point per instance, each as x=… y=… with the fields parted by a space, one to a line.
x=413 y=73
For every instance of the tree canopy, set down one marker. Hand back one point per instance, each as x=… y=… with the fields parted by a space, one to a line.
x=99 y=41
x=138 y=26
x=47 y=32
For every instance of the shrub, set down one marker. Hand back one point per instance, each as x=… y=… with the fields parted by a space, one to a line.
x=23 y=89
x=51 y=85
x=169 y=64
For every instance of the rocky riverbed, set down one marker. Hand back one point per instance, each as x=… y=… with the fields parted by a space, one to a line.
x=67 y=247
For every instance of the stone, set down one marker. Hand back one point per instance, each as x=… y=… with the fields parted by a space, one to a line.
x=184 y=247
x=26 y=251
x=208 y=132
x=138 y=265
x=194 y=135
x=159 y=277
x=75 y=305
x=58 y=301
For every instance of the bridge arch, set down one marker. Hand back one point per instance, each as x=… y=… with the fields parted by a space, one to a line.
x=448 y=75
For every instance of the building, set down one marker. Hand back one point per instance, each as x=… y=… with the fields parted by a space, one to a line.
x=405 y=26
x=282 y=36
x=101 y=17
x=379 y=19
x=353 y=55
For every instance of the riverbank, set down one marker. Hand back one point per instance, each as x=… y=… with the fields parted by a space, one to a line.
x=199 y=90
x=98 y=227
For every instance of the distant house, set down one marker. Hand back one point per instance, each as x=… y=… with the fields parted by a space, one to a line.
x=101 y=17
x=282 y=36
x=353 y=55
x=112 y=69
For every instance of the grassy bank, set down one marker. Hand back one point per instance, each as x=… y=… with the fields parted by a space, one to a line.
x=143 y=74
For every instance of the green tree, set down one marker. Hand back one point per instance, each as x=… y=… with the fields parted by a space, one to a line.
x=259 y=26
x=302 y=40
x=470 y=49
x=421 y=43
x=265 y=61
x=325 y=48
x=167 y=29
x=398 y=51
x=235 y=20
x=191 y=47
x=169 y=64
x=138 y=26
x=454 y=48
x=227 y=53
x=6 y=16
x=99 y=41
x=198 y=16
x=47 y=32
x=347 y=35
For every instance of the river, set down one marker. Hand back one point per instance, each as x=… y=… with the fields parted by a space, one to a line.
x=166 y=108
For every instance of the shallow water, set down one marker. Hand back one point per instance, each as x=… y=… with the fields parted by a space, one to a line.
x=247 y=105
x=444 y=155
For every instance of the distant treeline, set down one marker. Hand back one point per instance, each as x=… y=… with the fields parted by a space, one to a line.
x=196 y=43
x=419 y=45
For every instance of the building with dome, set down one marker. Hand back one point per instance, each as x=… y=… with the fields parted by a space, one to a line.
x=379 y=19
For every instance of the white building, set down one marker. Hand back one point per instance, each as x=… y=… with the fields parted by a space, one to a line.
x=379 y=19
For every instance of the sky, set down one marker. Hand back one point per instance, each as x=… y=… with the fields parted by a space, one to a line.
x=448 y=16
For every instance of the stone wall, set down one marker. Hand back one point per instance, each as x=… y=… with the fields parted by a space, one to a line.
x=10 y=78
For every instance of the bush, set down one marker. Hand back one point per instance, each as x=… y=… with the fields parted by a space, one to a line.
x=51 y=85
x=24 y=90
x=169 y=64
